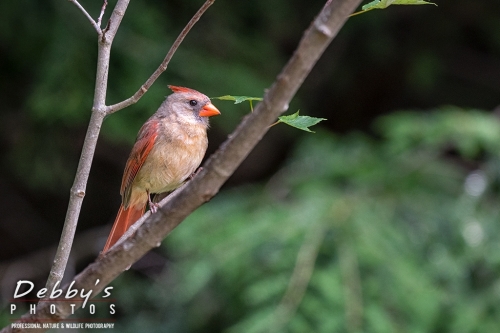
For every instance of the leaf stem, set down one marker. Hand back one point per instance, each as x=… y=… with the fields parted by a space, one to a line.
x=357 y=13
x=273 y=124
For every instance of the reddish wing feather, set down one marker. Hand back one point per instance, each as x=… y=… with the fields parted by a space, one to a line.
x=140 y=151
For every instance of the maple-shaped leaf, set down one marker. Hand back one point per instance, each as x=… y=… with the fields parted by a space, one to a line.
x=300 y=122
x=382 y=4
x=239 y=99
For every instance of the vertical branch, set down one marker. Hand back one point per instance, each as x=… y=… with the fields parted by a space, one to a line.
x=99 y=112
x=77 y=192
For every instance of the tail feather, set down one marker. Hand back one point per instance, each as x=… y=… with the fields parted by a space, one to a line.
x=124 y=219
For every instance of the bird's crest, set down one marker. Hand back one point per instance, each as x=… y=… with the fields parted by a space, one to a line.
x=182 y=89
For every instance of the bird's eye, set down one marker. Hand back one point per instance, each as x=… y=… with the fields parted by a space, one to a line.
x=193 y=102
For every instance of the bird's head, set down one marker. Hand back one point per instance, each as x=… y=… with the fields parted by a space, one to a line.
x=188 y=105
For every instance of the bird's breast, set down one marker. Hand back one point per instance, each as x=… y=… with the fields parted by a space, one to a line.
x=176 y=154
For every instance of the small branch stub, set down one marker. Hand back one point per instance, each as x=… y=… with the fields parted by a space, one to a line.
x=103 y=9
x=322 y=28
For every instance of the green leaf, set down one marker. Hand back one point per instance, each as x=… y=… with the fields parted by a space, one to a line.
x=381 y=4
x=237 y=99
x=300 y=122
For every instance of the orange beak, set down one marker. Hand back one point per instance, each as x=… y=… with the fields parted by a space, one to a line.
x=209 y=110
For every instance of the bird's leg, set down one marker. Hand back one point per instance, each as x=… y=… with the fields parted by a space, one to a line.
x=153 y=206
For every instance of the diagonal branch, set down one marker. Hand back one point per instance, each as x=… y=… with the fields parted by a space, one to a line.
x=163 y=66
x=97 y=26
x=216 y=171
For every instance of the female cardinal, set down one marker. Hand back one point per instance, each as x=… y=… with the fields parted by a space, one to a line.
x=168 y=149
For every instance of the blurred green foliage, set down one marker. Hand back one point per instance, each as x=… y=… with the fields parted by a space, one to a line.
x=398 y=234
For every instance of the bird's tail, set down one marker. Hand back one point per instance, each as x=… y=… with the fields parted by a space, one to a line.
x=124 y=219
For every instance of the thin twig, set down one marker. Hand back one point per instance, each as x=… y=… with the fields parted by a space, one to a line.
x=103 y=8
x=302 y=272
x=163 y=66
x=87 y=15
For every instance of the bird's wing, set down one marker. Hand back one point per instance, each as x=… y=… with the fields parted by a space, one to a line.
x=145 y=142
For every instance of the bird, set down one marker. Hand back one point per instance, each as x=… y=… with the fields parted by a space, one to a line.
x=169 y=148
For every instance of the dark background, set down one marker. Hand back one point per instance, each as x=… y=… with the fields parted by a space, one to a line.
x=402 y=58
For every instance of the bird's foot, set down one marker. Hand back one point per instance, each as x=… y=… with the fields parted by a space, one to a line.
x=153 y=206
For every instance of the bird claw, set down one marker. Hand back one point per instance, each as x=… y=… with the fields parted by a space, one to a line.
x=153 y=206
